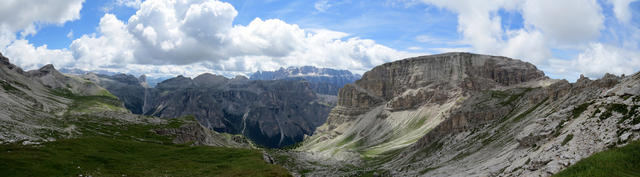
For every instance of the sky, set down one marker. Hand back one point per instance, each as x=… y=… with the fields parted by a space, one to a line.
x=164 y=38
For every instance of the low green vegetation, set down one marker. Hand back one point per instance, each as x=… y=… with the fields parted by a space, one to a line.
x=85 y=103
x=524 y=114
x=510 y=98
x=105 y=146
x=178 y=122
x=417 y=123
x=346 y=140
x=627 y=113
x=374 y=173
x=498 y=94
x=577 y=111
x=620 y=108
x=8 y=87
x=632 y=114
x=515 y=97
x=104 y=156
x=292 y=146
x=11 y=89
x=108 y=147
x=423 y=171
x=107 y=94
x=382 y=158
x=623 y=161
x=567 y=138
x=605 y=115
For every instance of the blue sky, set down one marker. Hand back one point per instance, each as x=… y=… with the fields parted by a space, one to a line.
x=563 y=39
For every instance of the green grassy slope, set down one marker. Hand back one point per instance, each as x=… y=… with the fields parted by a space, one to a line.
x=103 y=146
x=622 y=161
x=104 y=156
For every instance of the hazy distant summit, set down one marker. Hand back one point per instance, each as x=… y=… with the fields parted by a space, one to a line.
x=323 y=80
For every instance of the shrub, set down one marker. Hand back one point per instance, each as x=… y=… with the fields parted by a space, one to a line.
x=567 y=139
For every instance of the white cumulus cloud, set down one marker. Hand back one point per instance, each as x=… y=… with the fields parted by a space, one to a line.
x=23 y=16
x=566 y=21
x=548 y=25
x=599 y=58
x=199 y=34
x=621 y=9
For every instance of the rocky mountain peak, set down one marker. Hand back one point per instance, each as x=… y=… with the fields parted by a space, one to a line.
x=240 y=78
x=175 y=83
x=125 y=78
x=48 y=67
x=4 y=59
x=142 y=78
x=46 y=70
x=210 y=80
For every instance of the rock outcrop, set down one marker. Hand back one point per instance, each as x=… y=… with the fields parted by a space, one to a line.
x=197 y=135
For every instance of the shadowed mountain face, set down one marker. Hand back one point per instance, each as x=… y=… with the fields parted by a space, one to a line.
x=129 y=89
x=272 y=113
x=322 y=80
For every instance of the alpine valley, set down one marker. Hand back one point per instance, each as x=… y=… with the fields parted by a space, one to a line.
x=451 y=114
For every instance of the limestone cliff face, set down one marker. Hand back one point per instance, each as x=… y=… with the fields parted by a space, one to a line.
x=465 y=70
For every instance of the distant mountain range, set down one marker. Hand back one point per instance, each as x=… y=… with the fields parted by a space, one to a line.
x=274 y=108
x=151 y=81
x=272 y=113
x=323 y=80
